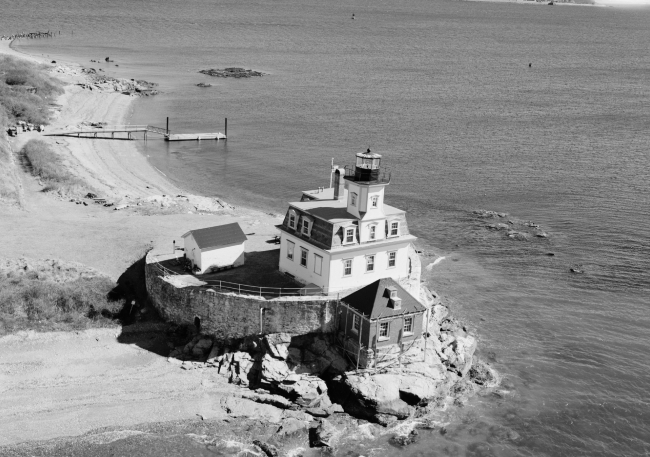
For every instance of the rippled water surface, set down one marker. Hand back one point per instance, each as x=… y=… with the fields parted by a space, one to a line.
x=445 y=92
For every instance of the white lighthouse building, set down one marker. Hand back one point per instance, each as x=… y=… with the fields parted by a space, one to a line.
x=346 y=236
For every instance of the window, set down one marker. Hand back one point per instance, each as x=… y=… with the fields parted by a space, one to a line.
x=408 y=325
x=370 y=263
x=303 y=257
x=290 y=247
x=383 y=330
x=349 y=235
x=373 y=232
x=318 y=264
x=305 y=227
x=373 y=201
x=347 y=267
x=394 y=228
x=292 y=219
x=356 y=323
x=353 y=199
x=391 y=259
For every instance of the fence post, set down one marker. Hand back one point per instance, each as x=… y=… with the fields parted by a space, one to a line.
x=360 y=332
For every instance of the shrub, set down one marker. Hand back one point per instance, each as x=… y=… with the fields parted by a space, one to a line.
x=30 y=303
x=46 y=164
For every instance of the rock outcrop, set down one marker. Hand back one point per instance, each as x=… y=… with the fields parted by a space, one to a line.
x=308 y=374
x=232 y=72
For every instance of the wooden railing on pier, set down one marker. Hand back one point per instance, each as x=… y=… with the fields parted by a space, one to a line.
x=105 y=130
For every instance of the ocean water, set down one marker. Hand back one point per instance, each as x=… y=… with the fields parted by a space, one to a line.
x=444 y=91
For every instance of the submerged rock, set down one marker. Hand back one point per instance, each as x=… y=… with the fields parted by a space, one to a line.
x=232 y=72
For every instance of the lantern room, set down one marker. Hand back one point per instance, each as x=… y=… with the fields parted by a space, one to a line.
x=367 y=166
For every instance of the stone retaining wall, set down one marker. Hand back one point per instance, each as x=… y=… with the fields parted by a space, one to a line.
x=230 y=315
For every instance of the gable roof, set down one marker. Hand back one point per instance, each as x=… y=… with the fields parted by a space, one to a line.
x=219 y=235
x=372 y=300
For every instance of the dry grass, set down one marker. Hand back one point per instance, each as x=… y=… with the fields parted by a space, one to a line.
x=27 y=302
x=46 y=164
x=17 y=79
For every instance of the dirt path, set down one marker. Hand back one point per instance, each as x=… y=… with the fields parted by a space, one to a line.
x=65 y=384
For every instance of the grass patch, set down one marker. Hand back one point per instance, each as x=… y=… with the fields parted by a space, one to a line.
x=27 y=302
x=46 y=164
x=26 y=91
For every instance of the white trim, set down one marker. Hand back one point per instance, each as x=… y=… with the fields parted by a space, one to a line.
x=318 y=262
x=355 y=318
x=306 y=257
x=345 y=234
x=390 y=228
x=372 y=231
x=374 y=258
x=291 y=248
x=387 y=336
x=293 y=213
x=394 y=259
x=309 y=222
x=351 y=262
x=404 y=331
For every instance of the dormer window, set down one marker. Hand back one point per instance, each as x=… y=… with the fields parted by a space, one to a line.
x=306 y=226
x=348 y=237
x=374 y=201
x=373 y=232
x=394 y=229
x=293 y=217
x=353 y=199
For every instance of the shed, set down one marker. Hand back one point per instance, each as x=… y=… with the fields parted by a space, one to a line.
x=211 y=248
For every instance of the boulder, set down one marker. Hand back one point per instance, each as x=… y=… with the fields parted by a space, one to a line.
x=324 y=434
x=241 y=407
x=274 y=370
x=290 y=426
x=277 y=344
x=268 y=449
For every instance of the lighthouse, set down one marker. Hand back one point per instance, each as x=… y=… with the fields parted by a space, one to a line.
x=344 y=237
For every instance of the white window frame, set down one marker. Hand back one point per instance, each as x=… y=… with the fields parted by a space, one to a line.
x=304 y=255
x=356 y=323
x=353 y=198
x=294 y=215
x=382 y=326
x=318 y=264
x=370 y=260
x=345 y=235
x=374 y=201
x=372 y=232
x=408 y=323
x=291 y=246
x=390 y=228
x=344 y=267
x=394 y=259
x=306 y=226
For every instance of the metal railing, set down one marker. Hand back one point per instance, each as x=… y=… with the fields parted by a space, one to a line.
x=248 y=289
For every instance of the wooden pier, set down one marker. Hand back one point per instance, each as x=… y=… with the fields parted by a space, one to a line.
x=125 y=132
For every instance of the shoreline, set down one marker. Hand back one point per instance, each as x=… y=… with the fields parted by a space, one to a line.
x=53 y=390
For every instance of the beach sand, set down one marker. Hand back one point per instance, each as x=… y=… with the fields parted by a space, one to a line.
x=66 y=384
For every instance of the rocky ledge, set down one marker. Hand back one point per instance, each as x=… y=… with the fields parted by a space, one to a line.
x=308 y=374
x=233 y=72
x=126 y=86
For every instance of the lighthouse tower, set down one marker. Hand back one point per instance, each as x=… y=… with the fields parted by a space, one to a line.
x=366 y=184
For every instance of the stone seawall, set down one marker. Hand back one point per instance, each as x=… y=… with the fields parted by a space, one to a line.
x=230 y=315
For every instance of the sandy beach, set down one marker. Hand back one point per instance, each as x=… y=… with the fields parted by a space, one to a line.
x=66 y=384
